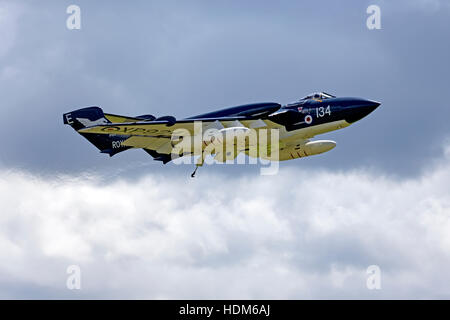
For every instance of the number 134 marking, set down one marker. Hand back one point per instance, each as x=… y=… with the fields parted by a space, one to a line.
x=321 y=111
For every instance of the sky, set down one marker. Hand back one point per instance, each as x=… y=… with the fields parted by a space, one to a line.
x=138 y=229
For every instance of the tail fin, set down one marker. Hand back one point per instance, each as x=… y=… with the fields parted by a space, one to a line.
x=93 y=116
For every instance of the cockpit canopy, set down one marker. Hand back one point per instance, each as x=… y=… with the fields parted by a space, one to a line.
x=318 y=96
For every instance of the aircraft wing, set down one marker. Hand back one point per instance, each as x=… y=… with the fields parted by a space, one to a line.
x=153 y=128
x=112 y=133
x=155 y=136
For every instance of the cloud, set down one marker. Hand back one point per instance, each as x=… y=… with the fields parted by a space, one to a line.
x=299 y=234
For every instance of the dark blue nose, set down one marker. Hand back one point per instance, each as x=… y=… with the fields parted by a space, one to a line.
x=359 y=108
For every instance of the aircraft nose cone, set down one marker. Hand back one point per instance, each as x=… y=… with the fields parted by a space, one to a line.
x=373 y=104
x=361 y=109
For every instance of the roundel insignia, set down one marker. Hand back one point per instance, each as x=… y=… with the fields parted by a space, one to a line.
x=308 y=119
x=111 y=129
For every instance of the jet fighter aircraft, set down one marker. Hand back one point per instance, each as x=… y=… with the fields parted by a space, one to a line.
x=297 y=123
